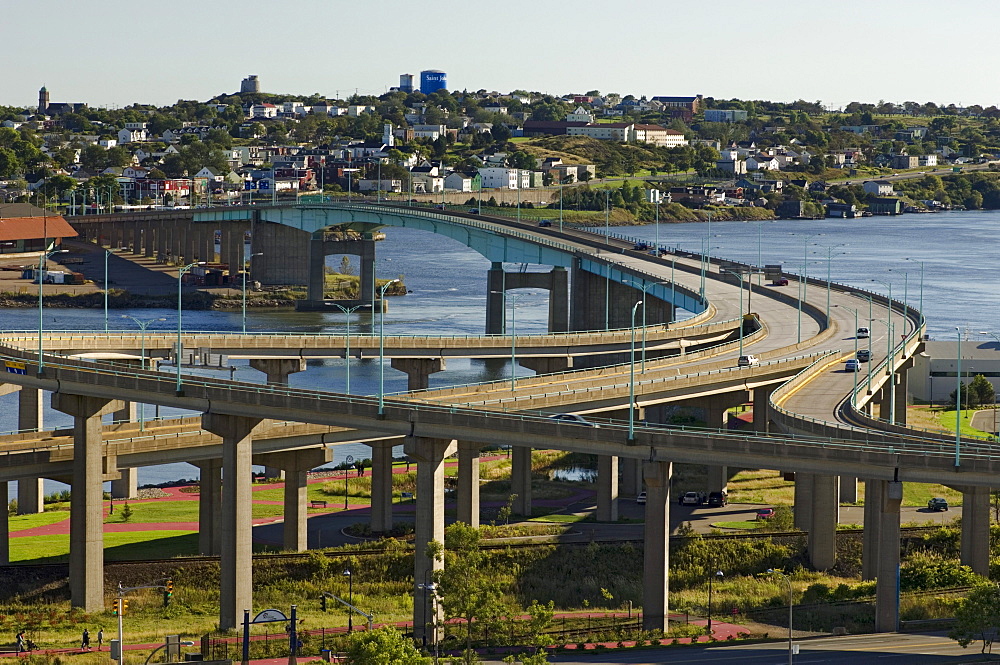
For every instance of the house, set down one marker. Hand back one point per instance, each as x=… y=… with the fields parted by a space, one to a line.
x=843 y=210
x=208 y=174
x=25 y=228
x=725 y=115
x=680 y=107
x=384 y=185
x=132 y=134
x=549 y=127
x=657 y=135
x=885 y=206
x=762 y=162
x=432 y=132
x=425 y=182
x=927 y=160
x=905 y=161
x=258 y=111
x=580 y=115
x=505 y=178
x=462 y=182
x=734 y=166
x=878 y=187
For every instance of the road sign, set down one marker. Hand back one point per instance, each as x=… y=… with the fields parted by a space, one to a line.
x=14 y=367
x=270 y=616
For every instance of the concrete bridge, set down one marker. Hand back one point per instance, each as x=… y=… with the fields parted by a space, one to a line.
x=816 y=425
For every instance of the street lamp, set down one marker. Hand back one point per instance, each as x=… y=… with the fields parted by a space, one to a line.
x=350 y=599
x=642 y=287
x=41 y=269
x=430 y=591
x=717 y=573
x=631 y=378
x=514 y=297
x=143 y=324
x=245 y=271
x=804 y=280
x=178 y=351
x=381 y=347
x=788 y=581
x=347 y=351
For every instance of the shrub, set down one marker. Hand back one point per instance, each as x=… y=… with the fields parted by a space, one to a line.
x=929 y=571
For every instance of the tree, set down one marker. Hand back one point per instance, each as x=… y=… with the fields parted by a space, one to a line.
x=981 y=391
x=978 y=617
x=501 y=133
x=385 y=646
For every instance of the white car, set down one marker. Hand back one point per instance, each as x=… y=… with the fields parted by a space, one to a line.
x=863 y=333
x=572 y=419
x=852 y=365
x=641 y=499
x=747 y=361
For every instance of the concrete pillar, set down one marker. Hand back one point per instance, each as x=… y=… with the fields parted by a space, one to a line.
x=30 y=496
x=127 y=486
x=161 y=239
x=520 y=480
x=803 y=500
x=366 y=274
x=429 y=524
x=718 y=478
x=496 y=319
x=899 y=398
x=128 y=413
x=656 y=551
x=149 y=240
x=4 y=529
x=209 y=507
x=206 y=245
x=848 y=489
x=468 y=483
x=761 y=408
x=887 y=586
x=631 y=471
x=86 y=528
x=823 y=529
x=381 y=516
x=234 y=249
x=317 y=269
x=29 y=409
x=418 y=370
x=236 y=555
x=874 y=498
x=177 y=241
x=547 y=365
x=559 y=300
x=294 y=529
x=607 y=488
x=976 y=529
x=278 y=369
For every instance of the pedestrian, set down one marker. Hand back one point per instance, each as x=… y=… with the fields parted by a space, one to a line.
x=100 y=638
x=85 y=642
x=20 y=641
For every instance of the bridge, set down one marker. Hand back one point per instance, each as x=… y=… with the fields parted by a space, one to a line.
x=810 y=417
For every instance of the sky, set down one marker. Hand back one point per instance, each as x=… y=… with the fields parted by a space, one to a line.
x=118 y=52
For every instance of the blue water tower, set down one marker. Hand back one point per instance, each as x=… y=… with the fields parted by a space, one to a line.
x=431 y=80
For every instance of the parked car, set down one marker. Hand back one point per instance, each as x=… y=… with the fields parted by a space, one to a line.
x=641 y=499
x=747 y=361
x=781 y=281
x=937 y=503
x=718 y=498
x=864 y=355
x=692 y=499
x=545 y=222
x=852 y=365
x=572 y=419
x=765 y=513
x=863 y=333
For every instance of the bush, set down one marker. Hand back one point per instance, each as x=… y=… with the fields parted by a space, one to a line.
x=925 y=571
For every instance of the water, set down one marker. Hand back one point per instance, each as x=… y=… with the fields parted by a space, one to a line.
x=448 y=283
x=574 y=474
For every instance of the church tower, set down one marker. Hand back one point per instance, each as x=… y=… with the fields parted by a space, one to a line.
x=43 y=100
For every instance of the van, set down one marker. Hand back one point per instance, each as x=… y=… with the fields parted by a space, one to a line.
x=863 y=333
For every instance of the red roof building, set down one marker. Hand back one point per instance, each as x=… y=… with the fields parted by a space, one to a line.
x=25 y=228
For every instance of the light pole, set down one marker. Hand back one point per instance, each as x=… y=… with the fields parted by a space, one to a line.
x=514 y=297
x=717 y=573
x=245 y=271
x=958 y=401
x=381 y=347
x=430 y=591
x=804 y=280
x=347 y=351
x=788 y=581
x=41 y=269
x=178 y=352
x=644 y=288
x=656 y=226
x=631 y=378
x=143 y=324
x=350 y=599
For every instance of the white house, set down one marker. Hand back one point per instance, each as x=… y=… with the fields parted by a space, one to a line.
x=878 y=187
x=263 y=111
x=580 y=114
x=458 y=182
x=928 y=160
x=207 y=173
x=356 y=109
x=762 y=162
x=504 y=178
x=431 y=132
x=132 y=135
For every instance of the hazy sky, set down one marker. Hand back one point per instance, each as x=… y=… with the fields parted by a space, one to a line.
x=116 y=52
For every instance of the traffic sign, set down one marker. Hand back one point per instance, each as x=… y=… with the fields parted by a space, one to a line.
x=14 y=367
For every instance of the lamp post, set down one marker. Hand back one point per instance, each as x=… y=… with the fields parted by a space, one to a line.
x=958 y=401
x=350 y=600
x=717 y=573
x=644 y=288
x=656 y=226
x=631 y=378
x=788 y=581
x=180 y=284
x=143 y=324
x=347 y=351
x=41 y=269
x=804 y=280
x=430 y=590
x=381 y=347
x=247 y=269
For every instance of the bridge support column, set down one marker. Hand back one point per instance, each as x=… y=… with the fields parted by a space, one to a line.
x=631 y=470
x=717 y=479
x=315 y=289
x=429 y=526
x=558 y=300
x=547 y=365
x=209 y=507
x=803 y=500
x=4 y=528
x=418 y=370
x=138 y=239
x=520 y=479
x=128 y=413
x=366 y=275
x=468 y=483
x=381 y=515
x=656 y=553
x=86 y=528
x=496 y=319
x=236 y=555
x=30 y=492
x=848 y=489
x=607 y=488
x=887 y=584
x=206 y=245
x=234 y=249
x=296 y=465
x=976 y=529
x=823 y=529
x=874 y=498
x=30 y=496
x=127 y=486
x=177 y=242
x=899 y=396
x=761 y=408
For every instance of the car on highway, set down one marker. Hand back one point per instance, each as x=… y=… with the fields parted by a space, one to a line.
x=572 y=419
x=641 y=499
x=863 y=355
x=765 y=513
x=937 y=503
x=692 y=499
x=852 y=365
x=747 y=361
x=718 y=498
x=781 y=281
x=473 y=211
x=863 y=333
x=545 y=222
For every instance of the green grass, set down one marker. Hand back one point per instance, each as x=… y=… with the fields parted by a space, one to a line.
x=947 y=420
x=561 y=518
x=22 y=522
x=117 y=546
x=744 y=524
x=157 y=511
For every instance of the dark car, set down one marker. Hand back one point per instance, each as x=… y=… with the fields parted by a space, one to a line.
x=864 y=355
x=937 y=503
x=781 y=281
x=765 y=513
x=545 y=222
x=474 y=211
x=718 y=498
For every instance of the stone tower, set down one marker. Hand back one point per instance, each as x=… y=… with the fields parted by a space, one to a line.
x=250 y=84
x=43 y=100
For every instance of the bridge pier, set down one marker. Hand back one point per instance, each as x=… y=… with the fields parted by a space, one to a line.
x=381 y=515
x=127 y=485
x=874 y=499
x=418 y=370
x=716 y=410
x=296 y=465
x=631 y=472
x=607 y=488
x=4 y=529
x=656 y=551
x=803 y=500
x=976 y=529
x=822 y=542
x=209 y=507
x=547 y=365
x=848 y=489
x=236 y=555
x=901 y=388
x=277 y=371
x=887 y=585
x=320 y=248
x=498 y=282
x=762 y=408
x=520 y=480
x=468 y=483
x=600 y=303
x=86 y=557
x=429 y=525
